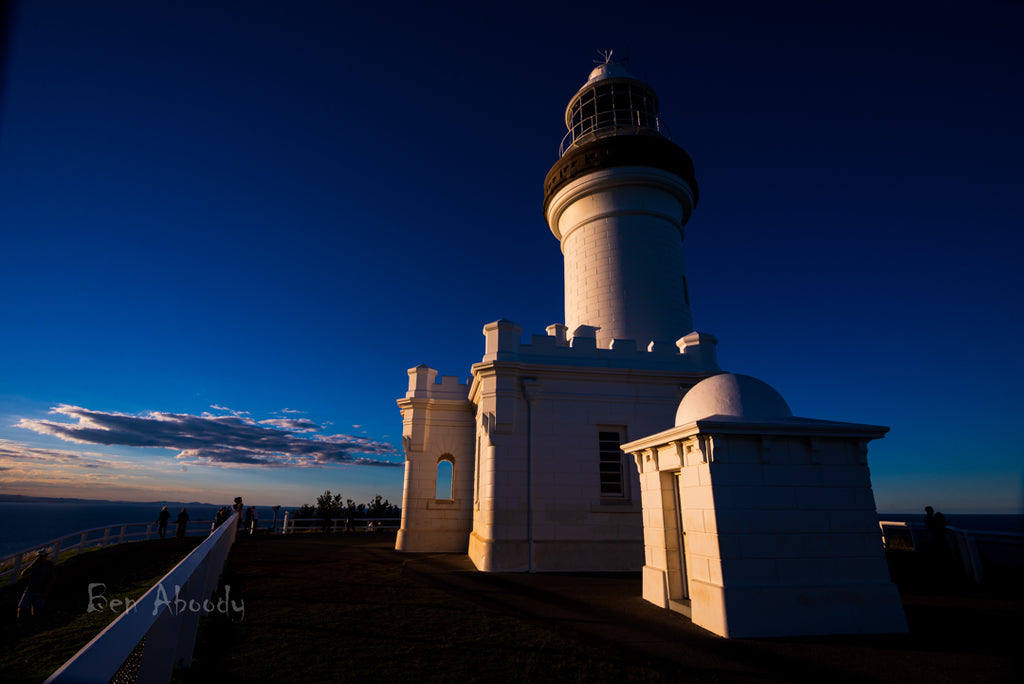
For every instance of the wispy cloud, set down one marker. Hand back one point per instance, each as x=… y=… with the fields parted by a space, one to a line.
x=234 y=439
x=11 y=452
x=233 y=412
x=294 y=424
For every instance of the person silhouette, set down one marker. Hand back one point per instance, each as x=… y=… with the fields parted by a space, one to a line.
x=936 y=525
x=41 y=574
x=161 y=521
x=182 y=522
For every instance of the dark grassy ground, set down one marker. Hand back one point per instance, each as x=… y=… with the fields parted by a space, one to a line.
x=347 y=607
x=327 y=608
x=32 y=652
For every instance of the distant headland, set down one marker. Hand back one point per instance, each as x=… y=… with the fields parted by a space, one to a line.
x=18 y=498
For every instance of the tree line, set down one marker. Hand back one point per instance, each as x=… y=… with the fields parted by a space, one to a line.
x=328 y=506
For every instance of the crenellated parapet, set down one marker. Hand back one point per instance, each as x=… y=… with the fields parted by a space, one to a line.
x=423 y=384
x=693 y=353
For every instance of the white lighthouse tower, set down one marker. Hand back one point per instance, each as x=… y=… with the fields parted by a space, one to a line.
x=618 y=200
x=540 y=482
x=752 y=521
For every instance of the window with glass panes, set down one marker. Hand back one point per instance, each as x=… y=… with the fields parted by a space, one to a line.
x=612 y=105
x=613 y=481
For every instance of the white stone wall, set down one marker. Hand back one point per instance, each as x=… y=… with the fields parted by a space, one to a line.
x=437 y=424
x=622 y=240
x=781 y=530
x=539 y=411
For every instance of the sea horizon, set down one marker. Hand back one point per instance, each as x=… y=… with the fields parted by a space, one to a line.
x=41 y=519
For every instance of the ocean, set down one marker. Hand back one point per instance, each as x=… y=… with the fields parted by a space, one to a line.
x=28 y=523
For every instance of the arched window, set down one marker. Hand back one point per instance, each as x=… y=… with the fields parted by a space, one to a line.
x=445 y=478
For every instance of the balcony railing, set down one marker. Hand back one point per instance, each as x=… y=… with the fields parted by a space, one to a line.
x=590 y=131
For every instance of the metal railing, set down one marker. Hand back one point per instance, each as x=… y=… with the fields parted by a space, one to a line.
x=292 y=525
x=967 y=548
x=158 y=632
x=593 y=132
x=92 y=538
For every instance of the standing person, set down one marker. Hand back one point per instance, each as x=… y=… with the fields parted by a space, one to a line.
x=255 y=519
x=161 y=521
x=248 y=519
x=936 y=524
x=238 y=507
x=222 y=516
x=41 y=574
x=182 y=522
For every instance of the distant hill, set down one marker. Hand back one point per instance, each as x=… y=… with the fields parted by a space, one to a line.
x=18 y=498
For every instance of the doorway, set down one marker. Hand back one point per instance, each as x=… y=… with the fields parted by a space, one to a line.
x=679 y=585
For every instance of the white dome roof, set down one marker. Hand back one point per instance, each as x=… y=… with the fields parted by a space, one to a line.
x=736 y=396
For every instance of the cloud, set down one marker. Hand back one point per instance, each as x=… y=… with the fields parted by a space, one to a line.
x=233 y=412
x=217 y=440
x=11 y=451
x=296 y=424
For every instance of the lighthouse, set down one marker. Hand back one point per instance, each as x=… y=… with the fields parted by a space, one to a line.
x=618 y=200
x=615 y=442
x=532 y=443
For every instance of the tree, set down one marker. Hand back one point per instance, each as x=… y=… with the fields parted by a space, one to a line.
x=305 y=511
x=328 y=507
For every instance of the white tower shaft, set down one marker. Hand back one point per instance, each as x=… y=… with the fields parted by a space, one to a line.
x=618 y=200
x=621 y=230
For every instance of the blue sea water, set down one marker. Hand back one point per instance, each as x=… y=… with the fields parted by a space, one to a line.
x=25 y=524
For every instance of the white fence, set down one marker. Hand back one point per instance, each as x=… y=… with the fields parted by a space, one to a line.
x=158 y=632
x=291 y=525
x=966 y=547
x=92 y=538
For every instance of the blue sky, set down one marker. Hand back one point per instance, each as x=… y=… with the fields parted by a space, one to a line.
x=229 y=228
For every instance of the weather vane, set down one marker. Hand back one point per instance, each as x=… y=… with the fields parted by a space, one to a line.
x=606 y=55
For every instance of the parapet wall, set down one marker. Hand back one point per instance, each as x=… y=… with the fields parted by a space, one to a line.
x=423 y=385
x=693 y=353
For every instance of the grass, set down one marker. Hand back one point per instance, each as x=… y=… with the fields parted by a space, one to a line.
x=346 y=607
x=331 y=611
x=32 y=652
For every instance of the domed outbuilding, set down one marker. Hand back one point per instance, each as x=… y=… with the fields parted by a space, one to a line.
x=759 y=523
x=732 y=396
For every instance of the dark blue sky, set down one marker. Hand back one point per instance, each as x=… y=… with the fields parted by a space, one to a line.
x=250 y=210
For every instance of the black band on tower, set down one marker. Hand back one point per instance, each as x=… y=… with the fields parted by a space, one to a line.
x=621 y=150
